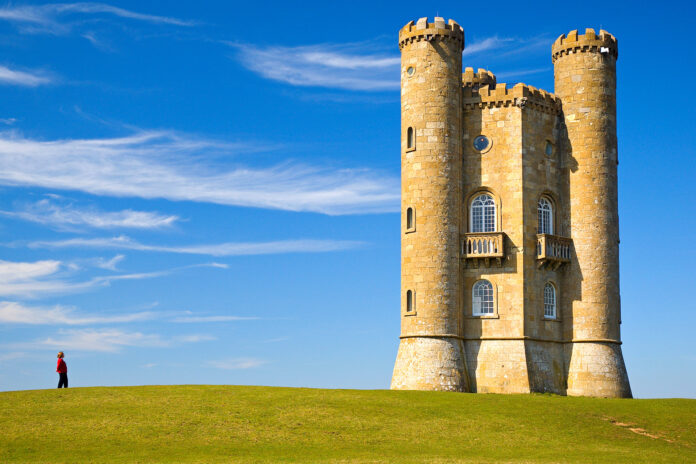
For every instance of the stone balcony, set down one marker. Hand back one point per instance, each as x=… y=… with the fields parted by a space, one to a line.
x=483 y=246
x=553 y=250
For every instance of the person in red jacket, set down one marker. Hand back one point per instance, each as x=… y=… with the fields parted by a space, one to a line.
x=62 y=370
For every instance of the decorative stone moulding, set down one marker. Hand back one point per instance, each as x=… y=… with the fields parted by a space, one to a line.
x=589 y=42
x=423 y=30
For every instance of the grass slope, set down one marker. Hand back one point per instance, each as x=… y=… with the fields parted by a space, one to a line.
x=208 y=424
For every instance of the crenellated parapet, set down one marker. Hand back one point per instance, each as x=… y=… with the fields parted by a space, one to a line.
x=603 y=42
x=521 y=95
x=477 y=79
x=438 y=29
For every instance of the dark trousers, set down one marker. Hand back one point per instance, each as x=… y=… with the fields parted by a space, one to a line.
x=63 y=379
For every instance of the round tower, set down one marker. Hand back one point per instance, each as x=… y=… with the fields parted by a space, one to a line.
x=585 y=81
x=431 y=353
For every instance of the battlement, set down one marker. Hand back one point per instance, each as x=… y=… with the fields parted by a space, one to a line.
x=478 y=78
x=438 y=29
x=588 y=42
x=521 y=95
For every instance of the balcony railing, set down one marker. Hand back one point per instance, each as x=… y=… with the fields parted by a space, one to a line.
x=553 y=249
x=485 y=245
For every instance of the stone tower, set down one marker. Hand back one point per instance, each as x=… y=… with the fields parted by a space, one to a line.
x=431 y=356
x=509 y=230
x=585 y=81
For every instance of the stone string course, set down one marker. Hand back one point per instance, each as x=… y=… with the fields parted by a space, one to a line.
x=443 y=345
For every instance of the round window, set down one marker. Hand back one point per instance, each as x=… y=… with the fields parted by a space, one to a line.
x=410 y=70
x=549 y=148
x=481 y=143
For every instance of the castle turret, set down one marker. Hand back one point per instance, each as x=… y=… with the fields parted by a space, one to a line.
x=431 y=353
x=585 y=81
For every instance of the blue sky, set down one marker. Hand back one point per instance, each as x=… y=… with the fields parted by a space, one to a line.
x=208 y=192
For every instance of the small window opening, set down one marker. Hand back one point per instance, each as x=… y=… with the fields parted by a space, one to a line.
x=409 y=219
x=410 y=138
x=548 y=149
x=409 y=301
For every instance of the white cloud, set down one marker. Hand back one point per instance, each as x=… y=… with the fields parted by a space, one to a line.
x=485 y=45
x=520 y=72
x=221 y=249
x=106 y=340
x=66 y=216
x=31 y=280
x=353 y=66
x=152 y=164
x=23 y=78
x=17 y=313
x=191 y=319
x=61 y=18
x=110 y=265
x=237 y=363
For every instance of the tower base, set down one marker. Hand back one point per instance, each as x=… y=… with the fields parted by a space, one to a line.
x=425 y=363
x=597 y=369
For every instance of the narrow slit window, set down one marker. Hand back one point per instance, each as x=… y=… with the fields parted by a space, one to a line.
x=545 y=211
x=410 y=219
x=409 y=301
x=482 y=300
x=549 y=301
x=483 y=214
x=410 y=138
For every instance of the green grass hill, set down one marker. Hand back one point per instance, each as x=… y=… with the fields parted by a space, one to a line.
x=215 y=424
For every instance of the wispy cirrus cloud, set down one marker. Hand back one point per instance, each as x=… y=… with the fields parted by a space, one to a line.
x=49 y=277
x=65 y=215
x=353 y=66
x=236 y=363
x=61 y=18
x=12 y=312
x=22 y=78
x=365 y=66
x=162 y=164
x=108 y=340
x=221 y=249
x=196 y=319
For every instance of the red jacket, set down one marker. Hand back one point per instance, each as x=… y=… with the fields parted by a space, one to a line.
x=61 y=367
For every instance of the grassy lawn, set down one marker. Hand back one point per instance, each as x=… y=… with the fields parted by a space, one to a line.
x=209 y=424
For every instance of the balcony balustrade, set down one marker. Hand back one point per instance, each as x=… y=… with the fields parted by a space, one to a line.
x=483 y=245
x=553 y=250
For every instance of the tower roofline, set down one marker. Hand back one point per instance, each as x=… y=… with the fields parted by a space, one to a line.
x=589 y=41
x=521 y=95
x=423 y=30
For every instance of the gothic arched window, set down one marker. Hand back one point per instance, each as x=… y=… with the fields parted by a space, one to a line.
x=545 y=213
x=549 y=301
x=483 y=215
x=482 y=301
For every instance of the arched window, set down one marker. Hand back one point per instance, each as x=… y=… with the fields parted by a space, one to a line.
x=545 y=211
x=482 y=301
x=410 y=219
x=410 y=138
x=549 y=301
x=482 y=218
x=409 y=301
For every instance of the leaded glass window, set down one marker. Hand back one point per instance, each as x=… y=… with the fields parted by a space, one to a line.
x=482 y=300
x=545 y=210
x=483 y=214
x=549 y=301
